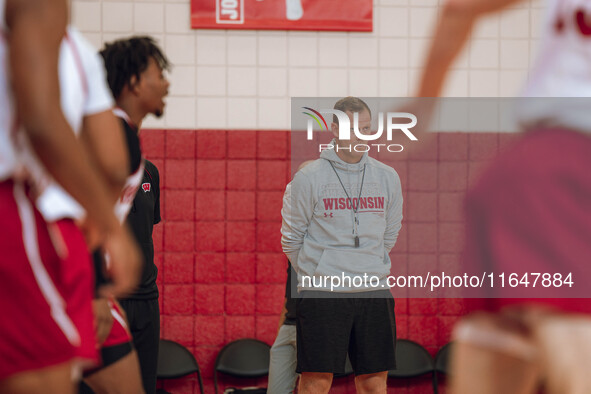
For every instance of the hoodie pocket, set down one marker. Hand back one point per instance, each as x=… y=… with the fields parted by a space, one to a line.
x=351 y=263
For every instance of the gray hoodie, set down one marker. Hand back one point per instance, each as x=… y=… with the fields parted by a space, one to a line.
x=318 y=229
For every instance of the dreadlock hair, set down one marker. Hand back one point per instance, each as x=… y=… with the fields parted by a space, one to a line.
x=127 y=57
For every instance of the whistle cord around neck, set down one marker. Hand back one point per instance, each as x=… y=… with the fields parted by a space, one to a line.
x=354 y=208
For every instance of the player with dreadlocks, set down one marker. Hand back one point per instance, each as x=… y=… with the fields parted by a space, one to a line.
x=135 y=74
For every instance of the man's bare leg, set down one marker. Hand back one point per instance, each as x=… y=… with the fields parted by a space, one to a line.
x=373 y=383
x=56 y=379
x=315 y=382
x=493 y=357
x=121 y=377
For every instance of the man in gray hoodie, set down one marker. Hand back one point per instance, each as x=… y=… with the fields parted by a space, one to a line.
x=341 y=218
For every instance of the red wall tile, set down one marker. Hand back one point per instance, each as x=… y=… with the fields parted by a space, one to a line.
x=272 y=144
x=180 y=205
x=210 y=205
x=178 y=268
x=209 y=299
x=152 y=143
x=271 y=175
x=240 y=300
x=179 y=174
x=211 y=144
x=240 y=236
x=211 y=174
x=179 y=236
x=242 y=144
x=210 y=236
x=210 y=267
x=180 y=144
x=240 y=205
x=241 y=174
x=240 y=267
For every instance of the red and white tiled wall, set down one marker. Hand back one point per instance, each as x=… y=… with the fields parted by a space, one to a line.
x=221 y=269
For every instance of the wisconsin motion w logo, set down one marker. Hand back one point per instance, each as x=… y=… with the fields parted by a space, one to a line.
x=344 y=125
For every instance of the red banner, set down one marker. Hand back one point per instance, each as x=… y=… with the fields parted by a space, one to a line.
x=343 y=15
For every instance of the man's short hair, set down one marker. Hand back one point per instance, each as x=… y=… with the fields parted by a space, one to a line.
x=350 y=104
x=127 y=57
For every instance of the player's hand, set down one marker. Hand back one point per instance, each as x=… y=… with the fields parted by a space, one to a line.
x=103 y=319
x=92 y=235
x=124 y=263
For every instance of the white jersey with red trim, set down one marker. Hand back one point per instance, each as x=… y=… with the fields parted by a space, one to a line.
x=84 y=91
x=562 y=69
x=8 y=122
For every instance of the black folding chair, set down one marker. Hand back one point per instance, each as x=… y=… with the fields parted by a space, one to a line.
x=175 y=361
x=243 y=358
x=412 y=360
x=441 y=364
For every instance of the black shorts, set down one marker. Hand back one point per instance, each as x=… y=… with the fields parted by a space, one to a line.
x=329 y=328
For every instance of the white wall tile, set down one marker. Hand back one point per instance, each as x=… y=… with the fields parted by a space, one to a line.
x=537 y=17
x=302 y=49
x=242 y=81
x=178 y=18
x=484 y=54
x=483 y=83
x=511 y=82
x=152 y=122
x=393 y=83
x=332 y=82
x=117 y=17
x=86 y=16
x=211 y=113
x=394 y=2
x=418 y=51
x=363 y=52
x=487 y=27
x=333 y=50
x=211 y=47
x=393 y=22
x=272 y=49
x=180 y=49
x=211 y=81
x=363 y=83
x=182 y=81
x=515 y=24
x=272 y=113
x=95 y=39
x=242 y=113
x=423 y=21
x=148 y=18
x=231 y=78
x=303 y=82
x=180 y=112
x=456 y=84
x=272 y=82
x=242 y=49
x=514 y=54
x=394 y=52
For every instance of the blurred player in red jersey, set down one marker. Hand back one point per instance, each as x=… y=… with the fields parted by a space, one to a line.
x=530 y=209
x=39 y=339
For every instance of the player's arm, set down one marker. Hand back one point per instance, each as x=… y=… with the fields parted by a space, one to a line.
x=36 y=30
x=393 y=216
x=453 y=29
x=297 y=212
x=102 y=136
